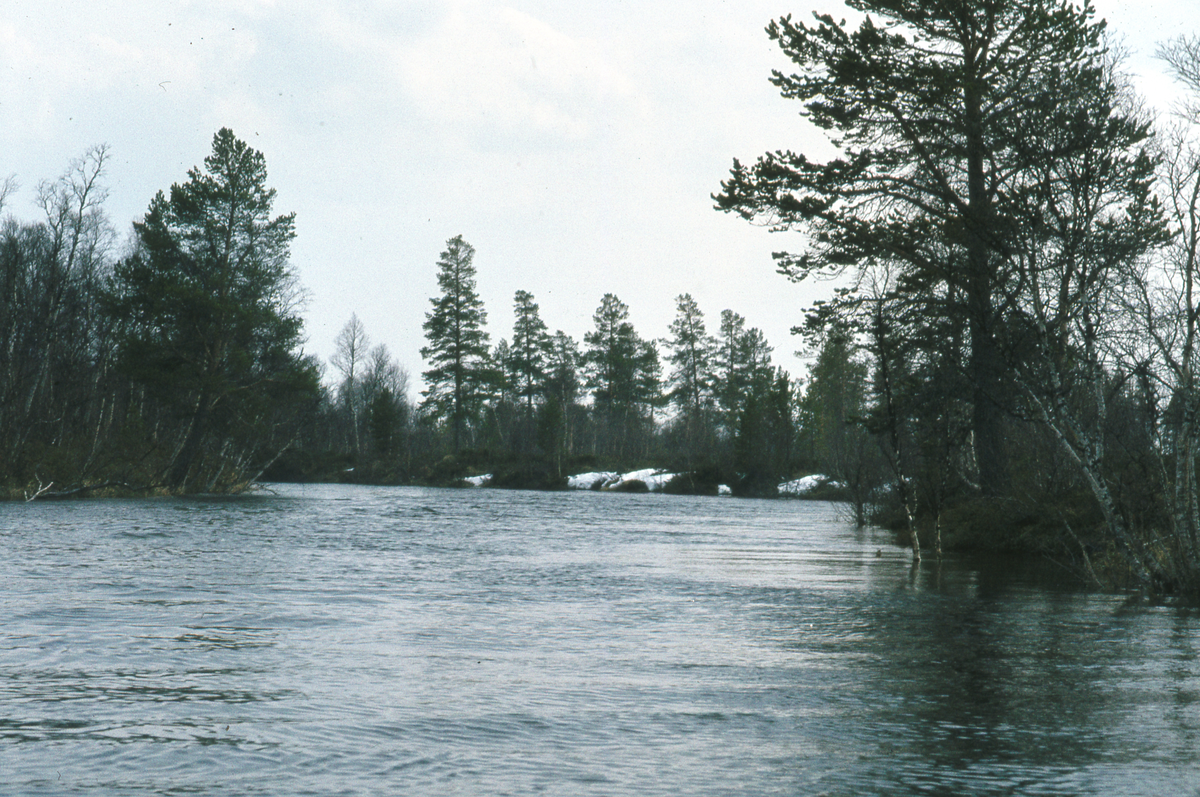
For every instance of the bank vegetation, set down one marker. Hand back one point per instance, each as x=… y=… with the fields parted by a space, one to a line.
x=1007 y=361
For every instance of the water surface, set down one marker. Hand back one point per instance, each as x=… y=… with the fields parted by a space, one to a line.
x=341 y=640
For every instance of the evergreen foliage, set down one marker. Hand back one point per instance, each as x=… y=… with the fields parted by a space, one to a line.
x=946 y=116
x=690 y=352
x=461 y=369
x=207 y=307
x=622 y=371
x=1014 y=361
x=530 y=349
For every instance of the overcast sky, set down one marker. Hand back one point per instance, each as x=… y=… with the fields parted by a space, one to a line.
x=574 y=143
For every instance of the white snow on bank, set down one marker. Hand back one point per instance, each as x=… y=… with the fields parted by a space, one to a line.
x=805 y=484
x=587 y=481
x=653 y=478
x=656 y=480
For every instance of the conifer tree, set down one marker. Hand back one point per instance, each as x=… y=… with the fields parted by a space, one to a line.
x=529 y=349
x=946 y=117
x=622 y=371
x=208 y=302
x=556 y=420
x=457 y=352
x=691 y=351
x=728 y=370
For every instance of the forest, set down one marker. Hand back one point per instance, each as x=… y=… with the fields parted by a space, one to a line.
x=1008 y=362
x=172 y=363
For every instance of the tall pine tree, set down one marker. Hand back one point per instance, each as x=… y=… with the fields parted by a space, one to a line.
x=461 y=369
x=691 y=352
x=529 y=350
x=208 y=303
x=945 y=116
x=623 y=372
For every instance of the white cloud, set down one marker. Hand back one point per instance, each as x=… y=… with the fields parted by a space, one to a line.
x=575 y=144
x=501 y=72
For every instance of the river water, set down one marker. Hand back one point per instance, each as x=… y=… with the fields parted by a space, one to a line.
x=342 y=640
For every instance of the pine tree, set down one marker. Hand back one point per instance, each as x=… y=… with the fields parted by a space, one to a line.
x=461 y=370
x=742 y=359
x=556 y=419
x=611 y=357
x=728 y=370
x=529 y=350
x=691 y=351
x=946 y=117
x=832 y=413
x=623 y=373
x=208 y=301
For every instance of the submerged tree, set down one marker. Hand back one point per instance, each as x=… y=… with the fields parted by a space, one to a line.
x=209 y=304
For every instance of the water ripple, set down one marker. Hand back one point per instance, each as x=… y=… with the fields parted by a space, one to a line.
x=341 y=640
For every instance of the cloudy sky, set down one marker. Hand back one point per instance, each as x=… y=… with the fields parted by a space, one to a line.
x=574 y=143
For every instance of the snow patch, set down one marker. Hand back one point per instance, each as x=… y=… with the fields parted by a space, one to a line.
x=653 y=478
x=478 y=481
x=588 y=481
x=724 y=489
x=805 y=484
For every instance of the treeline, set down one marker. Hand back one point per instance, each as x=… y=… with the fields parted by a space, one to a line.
x=536 y=406
x=171 y=365
x=1019 y=338
x=172 y=362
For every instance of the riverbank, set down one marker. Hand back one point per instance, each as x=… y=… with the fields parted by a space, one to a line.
x=1062 y=528
x=483 y=468
x=663 y=480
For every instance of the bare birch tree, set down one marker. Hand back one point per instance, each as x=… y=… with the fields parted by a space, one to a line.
x=349 y=352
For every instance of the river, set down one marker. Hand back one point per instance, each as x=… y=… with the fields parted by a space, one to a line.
x=344 y=640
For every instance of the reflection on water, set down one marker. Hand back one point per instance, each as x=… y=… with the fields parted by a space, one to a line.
x=348 y=640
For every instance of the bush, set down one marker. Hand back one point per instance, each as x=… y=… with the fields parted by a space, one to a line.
x=692 y=483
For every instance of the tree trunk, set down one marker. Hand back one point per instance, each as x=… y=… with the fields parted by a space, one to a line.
x=986 y=364
x=181 y=466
